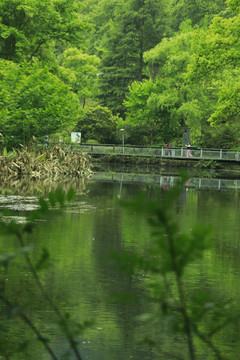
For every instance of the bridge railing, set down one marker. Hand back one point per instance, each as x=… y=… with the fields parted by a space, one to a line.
x=183 y=152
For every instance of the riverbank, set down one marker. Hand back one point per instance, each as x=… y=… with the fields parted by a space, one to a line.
x=170 y=164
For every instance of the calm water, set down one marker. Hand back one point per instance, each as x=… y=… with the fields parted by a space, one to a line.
x=83 y=274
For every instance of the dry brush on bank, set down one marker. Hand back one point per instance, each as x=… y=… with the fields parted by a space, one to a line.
x=52 y=163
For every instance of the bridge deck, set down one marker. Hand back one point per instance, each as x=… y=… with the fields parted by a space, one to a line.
x=176 y=153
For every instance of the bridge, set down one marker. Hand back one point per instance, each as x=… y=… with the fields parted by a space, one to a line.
x=173 y=153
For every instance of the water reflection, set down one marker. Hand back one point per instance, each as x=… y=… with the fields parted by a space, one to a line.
x=167 y=181
x=27 y=187
x=36 y=187
x=84 y=276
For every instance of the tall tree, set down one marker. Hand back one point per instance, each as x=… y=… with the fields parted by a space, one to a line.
x=30 y=27
x=173 y=103
x=137 y=27
x=198 y=11
x=79 y=70
x=147 y=124
x=234 y=4
x=33 y=102
x=215 y=65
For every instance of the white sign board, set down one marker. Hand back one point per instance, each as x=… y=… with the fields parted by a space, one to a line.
x=76 y=137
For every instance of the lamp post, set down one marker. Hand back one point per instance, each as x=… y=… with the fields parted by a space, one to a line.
x=122 y=131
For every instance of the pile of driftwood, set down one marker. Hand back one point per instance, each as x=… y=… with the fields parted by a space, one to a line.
x=52 y=164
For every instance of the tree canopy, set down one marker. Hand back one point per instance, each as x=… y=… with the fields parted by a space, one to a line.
x=160 y=66
x=195 y=75
x=32 y=35
x=29 y=27
x=33 y=102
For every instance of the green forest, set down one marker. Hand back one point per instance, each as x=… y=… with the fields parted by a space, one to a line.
x=152 y=67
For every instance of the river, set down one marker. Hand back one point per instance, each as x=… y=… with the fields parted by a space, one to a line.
x=83 y=278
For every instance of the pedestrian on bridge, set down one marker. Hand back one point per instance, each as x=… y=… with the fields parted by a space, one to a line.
x=167 y=149
x=188 y=151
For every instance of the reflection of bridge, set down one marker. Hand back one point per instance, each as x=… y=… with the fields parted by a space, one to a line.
x=166 y=181
x=174 y=153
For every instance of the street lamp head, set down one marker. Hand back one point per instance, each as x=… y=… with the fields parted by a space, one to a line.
x=122 y=130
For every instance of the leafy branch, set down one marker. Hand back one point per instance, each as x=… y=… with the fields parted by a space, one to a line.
x=168 y=256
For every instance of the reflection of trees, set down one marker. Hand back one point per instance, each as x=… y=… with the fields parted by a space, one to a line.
x=108 y=238
x=220 y=209
x=87 y=278
x=20 y=297
x=219 y=272
x=216 y=274
x=37 y=304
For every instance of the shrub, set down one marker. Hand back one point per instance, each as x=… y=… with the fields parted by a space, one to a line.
x=98 y=123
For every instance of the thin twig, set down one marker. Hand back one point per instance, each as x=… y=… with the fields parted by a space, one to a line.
x=209 y=343
x=47 y=297
x=187 y=324
x=33 y=328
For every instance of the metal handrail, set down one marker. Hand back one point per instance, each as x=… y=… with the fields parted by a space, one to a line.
x=175 y=152
x=155 y=151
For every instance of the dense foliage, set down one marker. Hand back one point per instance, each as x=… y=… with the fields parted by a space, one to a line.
x=98 y=124
x=34 y=102
x=159 y=66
